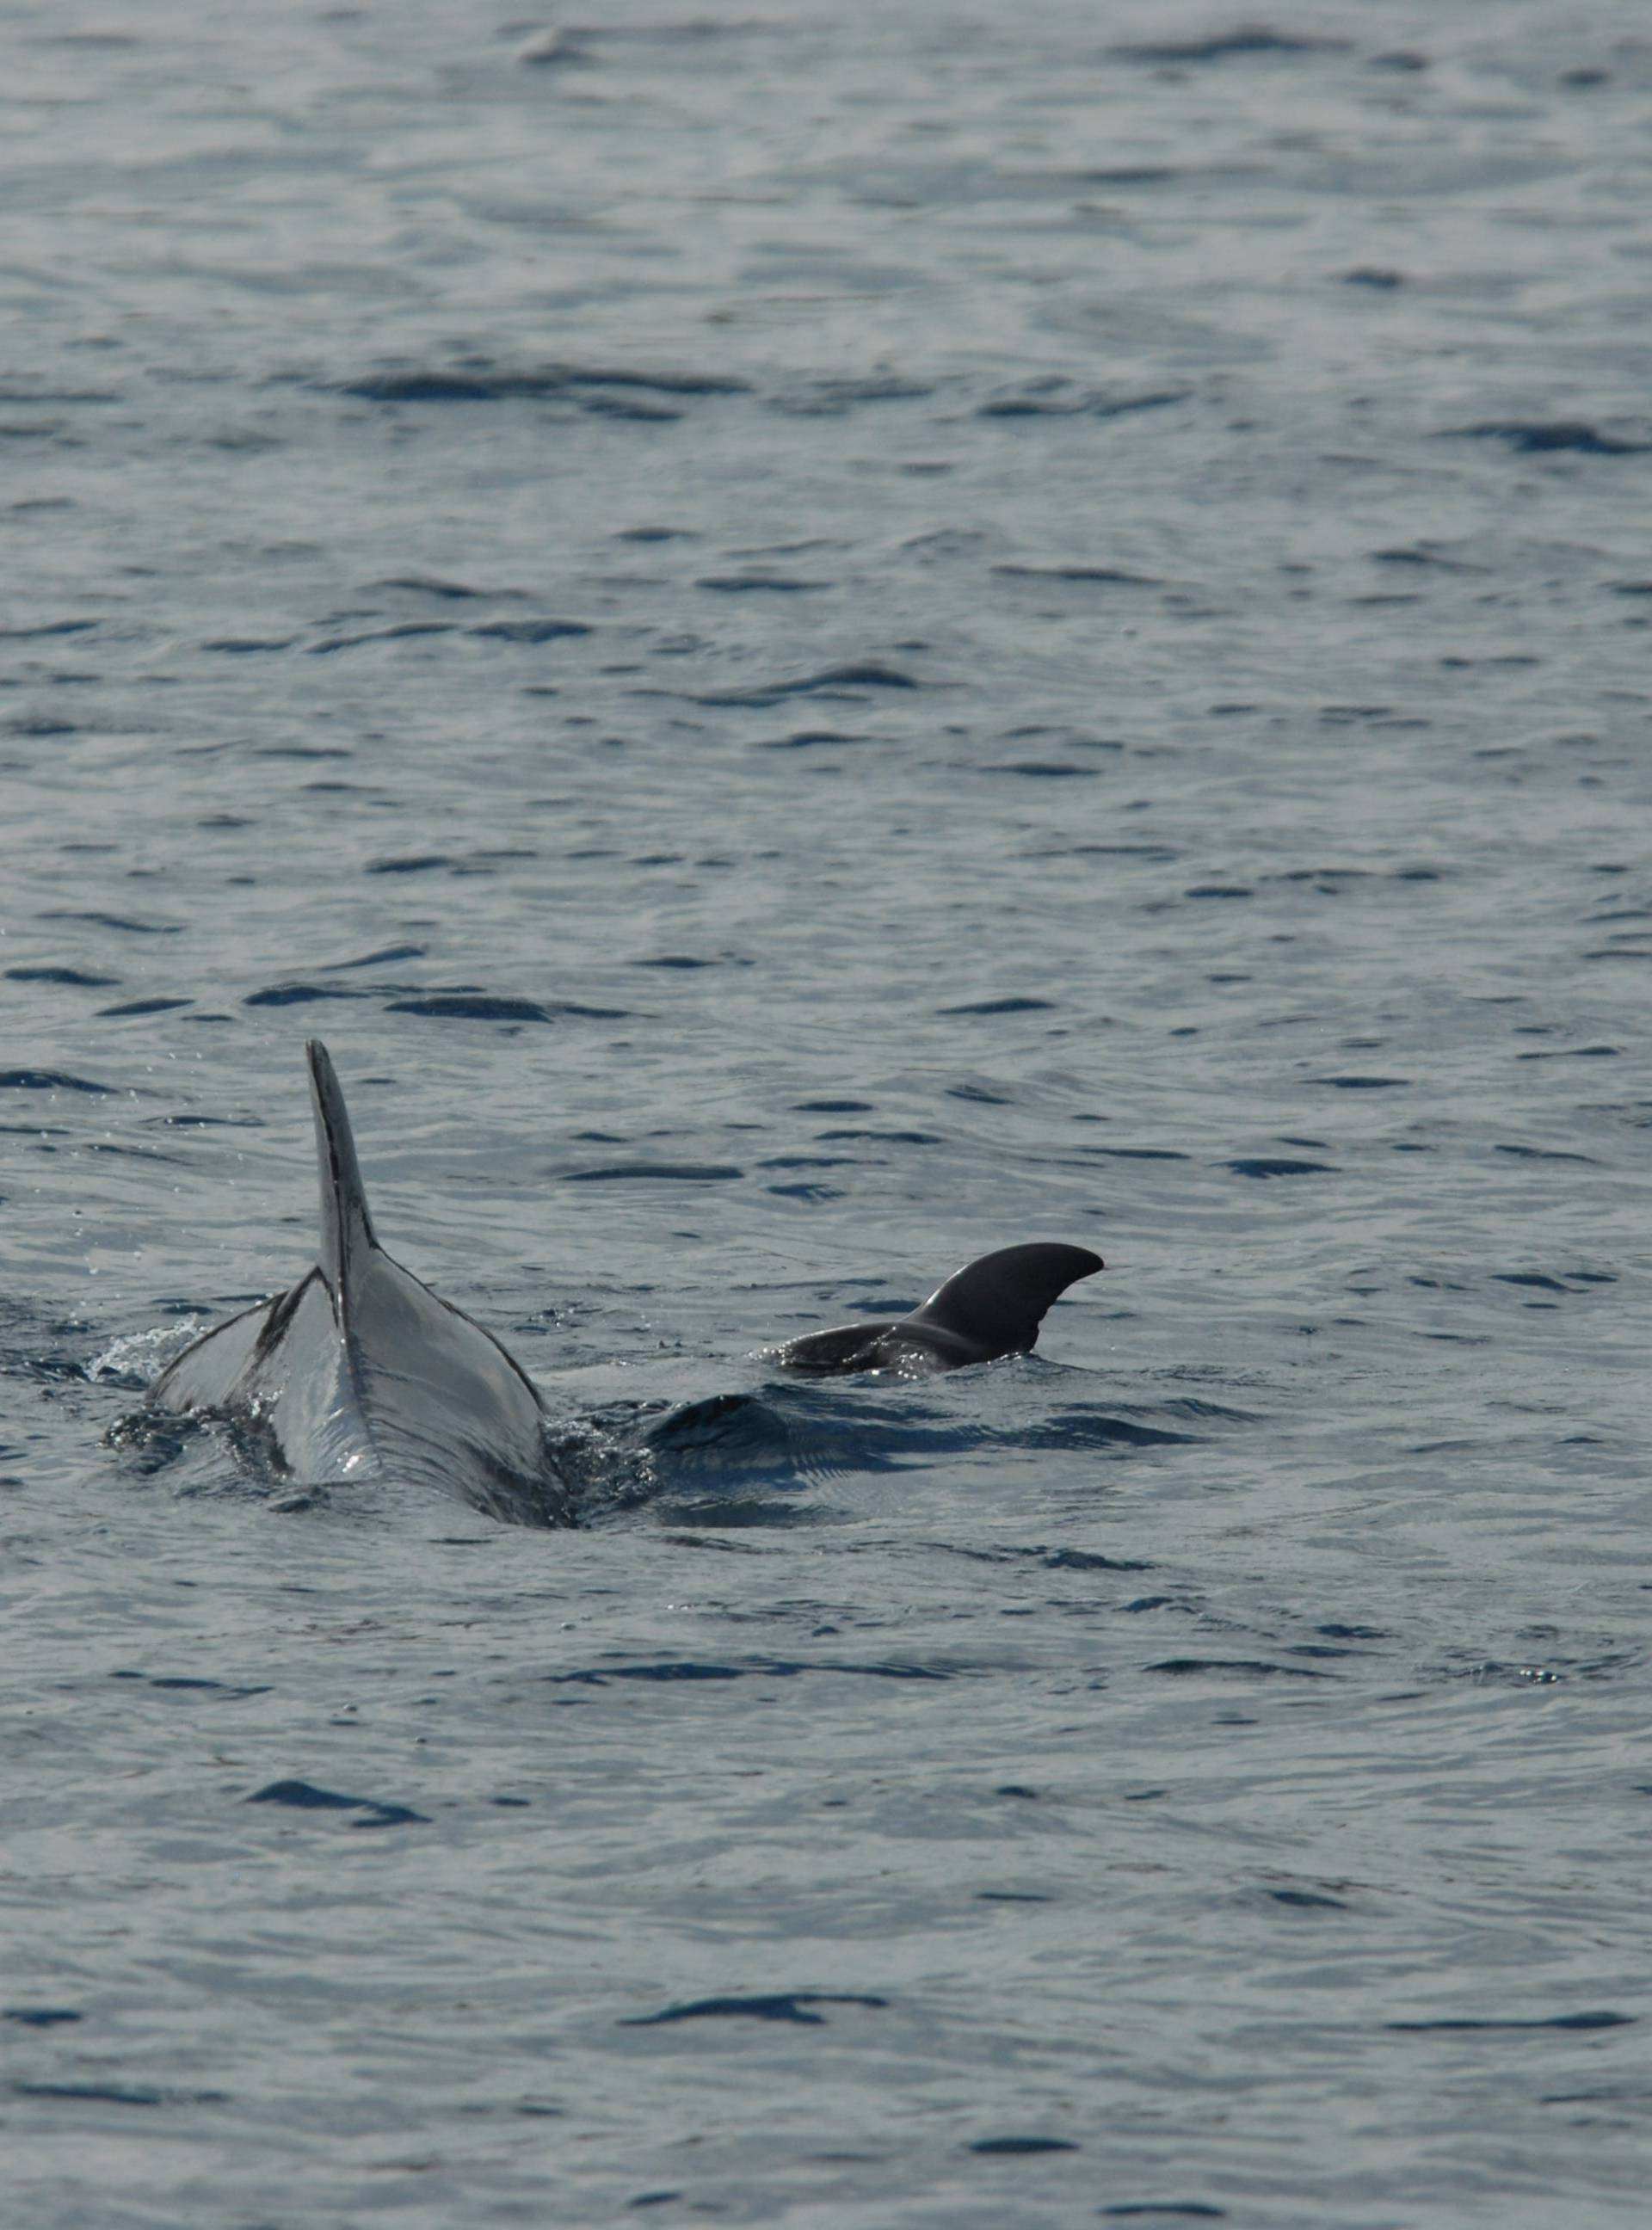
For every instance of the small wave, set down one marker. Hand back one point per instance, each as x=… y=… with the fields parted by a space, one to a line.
x=480 y=382
x=1465 y=2024
x=487 y=1007
x=1013 y=1005
x=1058 y=398
x=777 y=2005
x=669 y=1172
x=861 y=674
x=674 y=1669
x=124 y=922
x=59 y=975
x=1100 y=576
x=1222 y=46
x=1228 y=1668
x=1264 y=1167
x=47 y=1080
x=529 y=631
x=1537 y=437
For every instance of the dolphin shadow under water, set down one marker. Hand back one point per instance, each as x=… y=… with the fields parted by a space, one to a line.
x=778 y=1456
x=360 y=1372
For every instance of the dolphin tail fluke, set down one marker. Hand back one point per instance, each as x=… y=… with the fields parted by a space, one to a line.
x=347 y=1227
x=995 y=1305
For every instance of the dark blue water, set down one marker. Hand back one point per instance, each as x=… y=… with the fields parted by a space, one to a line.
x=816 y=640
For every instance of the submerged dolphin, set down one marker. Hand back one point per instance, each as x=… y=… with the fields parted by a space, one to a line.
x=991 y=1307
x=360 y=1372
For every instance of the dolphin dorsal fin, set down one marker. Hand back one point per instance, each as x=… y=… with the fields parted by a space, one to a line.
x=347 y=1227
x=994 y=1305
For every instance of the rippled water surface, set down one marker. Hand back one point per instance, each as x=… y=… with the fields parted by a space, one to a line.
x=816 y=639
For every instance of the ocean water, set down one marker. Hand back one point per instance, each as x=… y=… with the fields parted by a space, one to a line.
x=816 y=639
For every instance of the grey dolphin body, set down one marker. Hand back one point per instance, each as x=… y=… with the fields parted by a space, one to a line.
x=361 y=1372
x=992 y=1306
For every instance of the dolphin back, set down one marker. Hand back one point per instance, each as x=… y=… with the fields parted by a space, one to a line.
x=440 y=1398
x=360 y=1371
x=993 y=1306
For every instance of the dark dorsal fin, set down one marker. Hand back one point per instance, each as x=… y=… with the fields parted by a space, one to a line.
x=347 y=1227
x=994 y=1306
